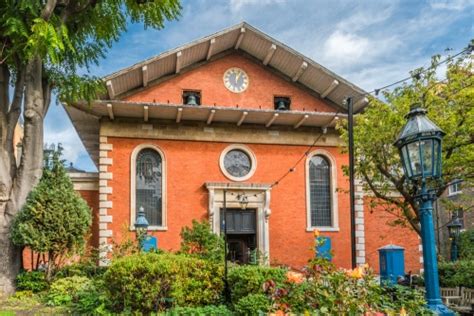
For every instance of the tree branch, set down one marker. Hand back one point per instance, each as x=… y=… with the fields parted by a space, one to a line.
x=30 y=169
x=48 y=9
x=72 y=8
x=410 y=217
x=13 y=116
x=4 y=89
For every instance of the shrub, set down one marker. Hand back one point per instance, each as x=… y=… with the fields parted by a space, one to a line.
x=197 y=282
x=34 y=281
x=138 y=282
x=153 y=282
x=394 y=298
x=246 y=280
x=458 y=273
x=200 y=241
x=341 y=292
x=65 y=291
x=253 y=304
x=210 y=310
x=91 y=300
x=466 y=245
x=85 y=269
x=54 y=219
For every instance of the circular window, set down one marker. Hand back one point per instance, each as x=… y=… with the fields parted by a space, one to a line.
x=237 y=163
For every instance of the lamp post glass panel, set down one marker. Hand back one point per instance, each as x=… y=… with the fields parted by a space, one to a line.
x=141 y=226
x=454 y=229
x=419 y=145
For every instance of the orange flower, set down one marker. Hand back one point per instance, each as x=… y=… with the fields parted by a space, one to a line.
x=316 y=233
x=403 y=312
x=356 y=273
x=278 y=313
x=294 y=277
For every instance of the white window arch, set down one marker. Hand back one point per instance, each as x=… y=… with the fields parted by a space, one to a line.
x=321 y=191
x=148 y=185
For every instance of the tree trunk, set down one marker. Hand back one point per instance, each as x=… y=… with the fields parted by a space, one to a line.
x=10 y=262
x=17 y=182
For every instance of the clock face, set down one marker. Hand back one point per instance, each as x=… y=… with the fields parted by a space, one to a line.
x=236 y=80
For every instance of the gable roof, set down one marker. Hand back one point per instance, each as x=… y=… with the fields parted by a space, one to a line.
x=293 y=66
x=244 y=37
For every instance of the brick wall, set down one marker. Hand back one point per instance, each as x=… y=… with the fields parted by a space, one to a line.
x=189 y=165
x=208 y=79
x=379 y=232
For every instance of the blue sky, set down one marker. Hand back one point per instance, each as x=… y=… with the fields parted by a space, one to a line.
x=370 y=43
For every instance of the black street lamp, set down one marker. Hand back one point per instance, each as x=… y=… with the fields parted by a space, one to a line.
x=454 y=229
x=419 y=145
x=141 y=226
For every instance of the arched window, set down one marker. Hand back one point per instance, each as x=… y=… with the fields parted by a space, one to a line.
x=149 y=185
x=320 y=205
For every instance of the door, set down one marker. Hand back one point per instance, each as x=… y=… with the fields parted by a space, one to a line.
x=241 y=234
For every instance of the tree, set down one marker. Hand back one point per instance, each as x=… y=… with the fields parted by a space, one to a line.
x=55 y=219
x=450 y=104
x=200 y=241
x=43 y=47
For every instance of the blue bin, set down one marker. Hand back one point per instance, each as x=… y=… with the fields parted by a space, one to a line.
x=392 y=263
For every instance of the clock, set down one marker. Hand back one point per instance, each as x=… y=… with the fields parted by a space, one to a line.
x=236 y=80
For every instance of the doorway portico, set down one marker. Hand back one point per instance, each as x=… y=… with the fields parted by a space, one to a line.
x=258 y=198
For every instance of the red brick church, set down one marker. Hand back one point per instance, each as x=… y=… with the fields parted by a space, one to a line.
x=232 y=111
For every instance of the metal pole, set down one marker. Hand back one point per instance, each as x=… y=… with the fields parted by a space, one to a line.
x=226 y=282
x=351 y=179
x=430 y=263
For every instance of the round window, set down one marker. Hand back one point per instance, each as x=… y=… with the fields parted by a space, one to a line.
x=237 y=162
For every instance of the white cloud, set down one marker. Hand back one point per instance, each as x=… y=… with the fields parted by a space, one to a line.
x=237 y=5
x=456 y=5
x=69 y=140
x=345 y=49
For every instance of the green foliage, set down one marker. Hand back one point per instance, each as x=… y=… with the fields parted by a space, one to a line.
x=86 y=266
x=253 y=304
x=210 y=310
x=65 y=291
x=91 y=300
x=80 y=269
x=458 y=273
x=23 y=299
x=394 y=298
x=196 y=282
x=466 y=245
x=34 y=281
x=68 y=38
x=153 y=282
x=246 y=280
x=200 y=241
x=341 y=292
x=55 y=218
x=450 y=104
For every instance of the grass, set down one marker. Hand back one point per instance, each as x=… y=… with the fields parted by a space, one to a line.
x=27 y=303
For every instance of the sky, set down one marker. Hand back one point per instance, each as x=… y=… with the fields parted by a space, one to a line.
x=370 y=43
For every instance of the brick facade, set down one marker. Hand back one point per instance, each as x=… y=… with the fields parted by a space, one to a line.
x=191 y=154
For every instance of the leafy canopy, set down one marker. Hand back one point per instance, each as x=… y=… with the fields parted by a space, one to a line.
x=69 y=36
x=55 y=219
x=450 y=104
